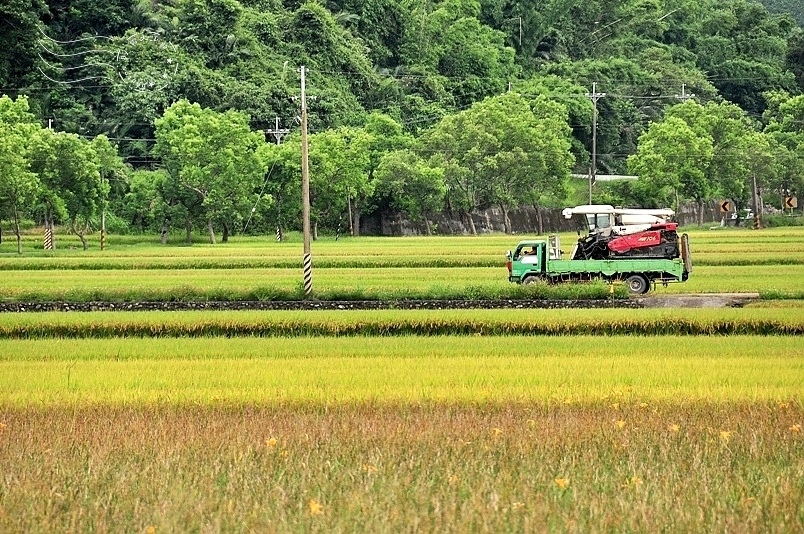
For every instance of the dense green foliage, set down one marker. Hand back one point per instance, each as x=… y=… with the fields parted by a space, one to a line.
x=408 y=113
x=791 y=7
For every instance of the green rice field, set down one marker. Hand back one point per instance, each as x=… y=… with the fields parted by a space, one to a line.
x=770 y=262
x=506 y=420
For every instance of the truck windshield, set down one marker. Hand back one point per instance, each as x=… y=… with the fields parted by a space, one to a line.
x=600 y=220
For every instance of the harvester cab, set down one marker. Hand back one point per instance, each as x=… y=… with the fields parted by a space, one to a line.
x=615 y=233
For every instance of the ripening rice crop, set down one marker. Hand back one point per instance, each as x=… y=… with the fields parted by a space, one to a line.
x=408 y=370
x=405 y=322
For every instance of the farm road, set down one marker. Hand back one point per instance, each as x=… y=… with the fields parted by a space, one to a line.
x=723 y=300
x=710 y=300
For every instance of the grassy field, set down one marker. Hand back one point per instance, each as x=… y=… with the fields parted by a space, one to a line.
x=770 y=262
x=579 y=420
x=682 y=467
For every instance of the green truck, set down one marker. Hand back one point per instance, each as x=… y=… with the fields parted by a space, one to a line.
x=541 y=260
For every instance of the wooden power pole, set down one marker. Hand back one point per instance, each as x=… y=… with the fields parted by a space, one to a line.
x=307 y=262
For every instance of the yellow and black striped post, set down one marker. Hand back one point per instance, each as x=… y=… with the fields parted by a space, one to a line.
x=48 y=238
x=308 y=274
x=757 y=222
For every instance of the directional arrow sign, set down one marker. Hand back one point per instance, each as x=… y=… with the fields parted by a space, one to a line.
x=725 y=206
x=790 y=202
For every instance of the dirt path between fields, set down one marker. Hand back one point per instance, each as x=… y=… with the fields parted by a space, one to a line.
x=723 y=300
x=713 y=300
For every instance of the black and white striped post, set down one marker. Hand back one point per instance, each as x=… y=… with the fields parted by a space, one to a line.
x=307 y=263
x=48 y=242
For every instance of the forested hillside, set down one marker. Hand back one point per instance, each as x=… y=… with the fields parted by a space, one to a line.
x=415 y=106
x=791 y=7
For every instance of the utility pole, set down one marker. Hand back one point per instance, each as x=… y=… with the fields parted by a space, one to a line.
x=278 y=132
x=756 y=201
x=307 y=263
x=684 y=96
x=103 y=226
x=520 y=28
x=595 y=96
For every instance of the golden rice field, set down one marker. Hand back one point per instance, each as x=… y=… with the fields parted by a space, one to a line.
x=580 y=420
x=403 y=370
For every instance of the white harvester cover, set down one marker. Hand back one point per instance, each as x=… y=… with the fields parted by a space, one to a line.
x=624 y=220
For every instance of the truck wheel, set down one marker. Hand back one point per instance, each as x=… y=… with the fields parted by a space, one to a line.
x=637 y=284
x=531 y=279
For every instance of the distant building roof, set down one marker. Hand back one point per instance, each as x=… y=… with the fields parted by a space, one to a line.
x=607 y=177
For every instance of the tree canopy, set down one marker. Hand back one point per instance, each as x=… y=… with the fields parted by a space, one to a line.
x=489 y=101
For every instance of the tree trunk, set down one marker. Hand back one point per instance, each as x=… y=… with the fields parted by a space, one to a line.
x=225 y=237
x=356 y=221
x=74 y=228
x=315 y=231
x=164 y=233
x=472 y=228
x=506 y=220
x=539 y=219
x=700 y=213
x=211 y=232
x=188 y=228
x=427 y=227
x=17 y=231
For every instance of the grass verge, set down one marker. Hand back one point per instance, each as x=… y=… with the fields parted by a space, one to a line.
x=690 y=467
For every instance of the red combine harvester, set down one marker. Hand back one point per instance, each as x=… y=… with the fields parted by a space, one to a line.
x=625 y=233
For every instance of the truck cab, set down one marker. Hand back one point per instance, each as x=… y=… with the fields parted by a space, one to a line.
x=527 y=263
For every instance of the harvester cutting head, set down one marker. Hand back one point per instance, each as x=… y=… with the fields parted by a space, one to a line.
x=616 y=233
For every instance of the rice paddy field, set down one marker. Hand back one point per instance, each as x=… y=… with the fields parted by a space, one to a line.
x=504 y=420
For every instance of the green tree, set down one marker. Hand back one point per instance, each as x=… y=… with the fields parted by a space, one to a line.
x=339 y=162
x=283 y=184
x=499 y=151
x=113 y=172
x=214 y=156
x=19 y=31
x=785 y=127
x=737 y=152
x=570 y=95
x=140 y=206
x=208 y=27
x=18 y=185
x=72 y=190
x=671 y=162
x=411 y=186
x=471 y=57
x=385 y=135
